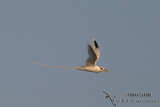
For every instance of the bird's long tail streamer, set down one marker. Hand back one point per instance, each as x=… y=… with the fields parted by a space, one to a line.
x=52 y=65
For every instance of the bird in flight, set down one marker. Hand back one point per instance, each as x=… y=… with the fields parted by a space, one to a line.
x=90 y=65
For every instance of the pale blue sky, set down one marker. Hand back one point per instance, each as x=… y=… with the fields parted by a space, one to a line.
x=56 y=32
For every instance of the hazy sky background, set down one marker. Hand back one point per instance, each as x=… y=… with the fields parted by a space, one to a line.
x=56 y=32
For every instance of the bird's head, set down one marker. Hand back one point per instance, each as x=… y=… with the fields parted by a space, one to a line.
x=103 y=69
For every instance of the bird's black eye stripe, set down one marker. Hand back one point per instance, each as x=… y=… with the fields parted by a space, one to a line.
x=95 y=43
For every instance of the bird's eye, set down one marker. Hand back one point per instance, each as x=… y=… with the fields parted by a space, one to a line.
x=101 y=68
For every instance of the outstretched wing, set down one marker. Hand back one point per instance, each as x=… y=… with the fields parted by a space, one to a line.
x=95 y=48
x=92 y=57
x=93 y=54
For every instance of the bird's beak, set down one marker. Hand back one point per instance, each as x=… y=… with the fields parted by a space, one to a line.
x=105 y=70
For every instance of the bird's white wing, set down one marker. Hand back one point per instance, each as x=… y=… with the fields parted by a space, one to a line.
x=92 y=57
x=95 y=48
x=93 y=53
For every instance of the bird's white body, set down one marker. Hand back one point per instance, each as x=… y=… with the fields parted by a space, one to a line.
x=95 y=69
x=93 y=56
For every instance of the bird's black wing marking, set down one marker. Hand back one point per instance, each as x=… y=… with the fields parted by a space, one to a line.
x=95 y=43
